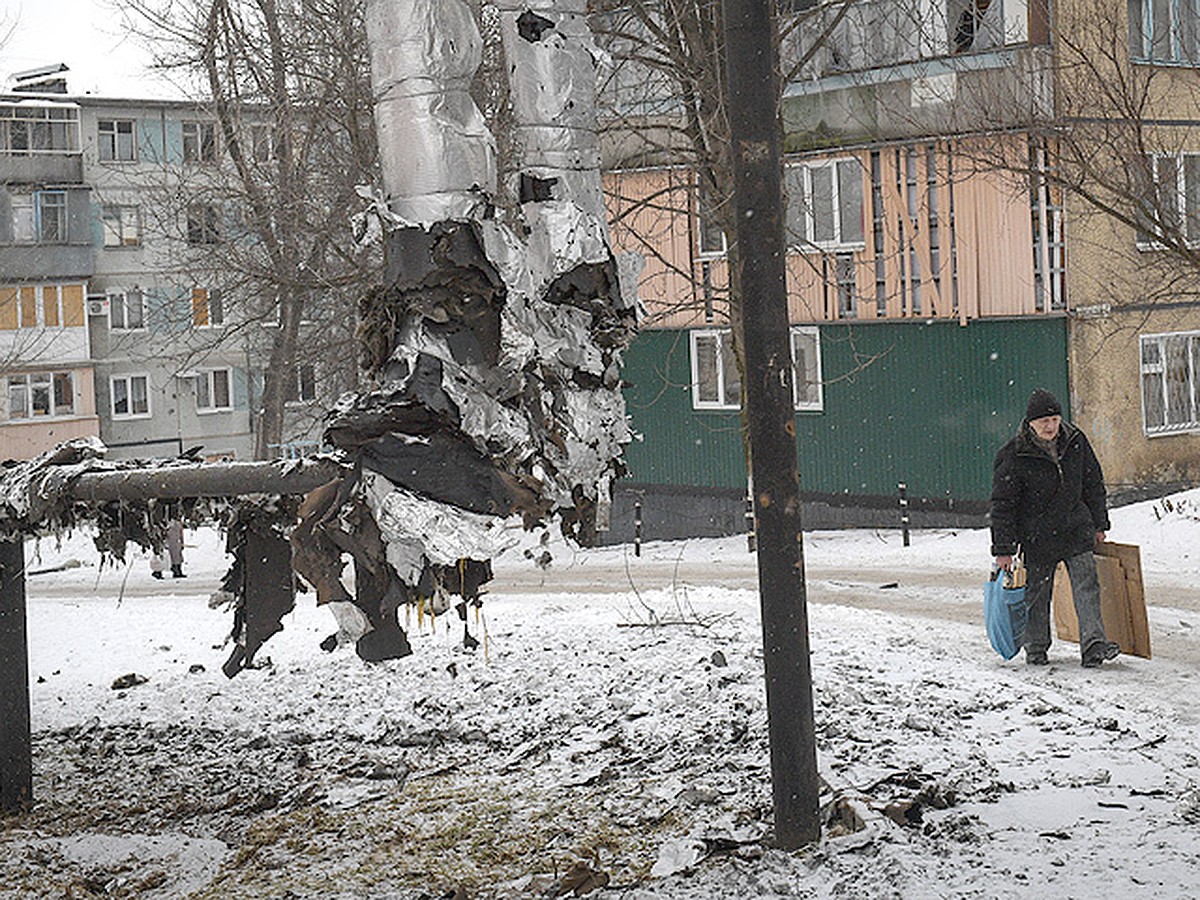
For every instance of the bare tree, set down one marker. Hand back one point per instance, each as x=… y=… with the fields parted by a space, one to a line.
x=286 y=84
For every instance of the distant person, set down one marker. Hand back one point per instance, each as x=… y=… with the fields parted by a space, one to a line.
x=1048 y=499
x=174 y=548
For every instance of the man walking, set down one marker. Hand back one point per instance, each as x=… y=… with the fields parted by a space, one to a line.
x=1049 y=500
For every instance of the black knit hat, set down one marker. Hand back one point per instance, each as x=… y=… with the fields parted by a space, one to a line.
x=1042 y=403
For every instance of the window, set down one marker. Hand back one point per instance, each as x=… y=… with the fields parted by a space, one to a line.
x=717 y=385
x=115 y=137
x=199 y=142
x=28 y=129
x=130 y=396
x=711 y=238
x=303 y=388
x=207 y=309
x=52 y=217
x=202 y=224
x=825 y=204
x=41 y=394
x=212 y=390
x=1164 y=31
x=1173 y=198
x=122 y=226
x=127 y=311
x=1171 y=382
x=40 y=217
x=806 y=368
x=261 y=143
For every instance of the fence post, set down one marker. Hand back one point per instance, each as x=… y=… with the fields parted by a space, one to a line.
x=904 y=511
x=16 y=750
x=637 y=527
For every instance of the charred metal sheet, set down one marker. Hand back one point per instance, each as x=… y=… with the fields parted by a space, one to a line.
x=262 y=584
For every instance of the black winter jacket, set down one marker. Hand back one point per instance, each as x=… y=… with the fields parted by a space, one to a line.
x=1053 y=509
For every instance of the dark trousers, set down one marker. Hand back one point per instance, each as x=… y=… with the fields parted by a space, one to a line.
x=1085 y=588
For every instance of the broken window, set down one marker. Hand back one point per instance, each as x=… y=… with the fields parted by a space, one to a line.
x=48 y=394
x=202 y=224
x=207 y=308
x=122 y=226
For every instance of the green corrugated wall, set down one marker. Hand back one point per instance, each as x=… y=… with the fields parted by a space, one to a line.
x=927 y=403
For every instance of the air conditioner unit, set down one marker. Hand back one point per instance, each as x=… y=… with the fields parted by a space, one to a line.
x=97 y=306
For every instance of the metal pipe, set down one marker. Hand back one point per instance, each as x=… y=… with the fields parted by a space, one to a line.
x=227 y=479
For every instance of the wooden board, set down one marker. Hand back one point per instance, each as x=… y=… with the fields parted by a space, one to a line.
x=1122 y=600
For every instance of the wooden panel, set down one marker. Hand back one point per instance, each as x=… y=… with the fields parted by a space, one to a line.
x=8 y=309
x=1122 y=600
x=945 y=273
x=966 y=246
x=50 y=306
x=893 y=251
x=72 y=301
x=28 y=306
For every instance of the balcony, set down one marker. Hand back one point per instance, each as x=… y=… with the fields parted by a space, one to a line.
x=885 y=70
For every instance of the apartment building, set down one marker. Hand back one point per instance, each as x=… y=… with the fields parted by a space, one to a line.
x=948 y=253
x=114 y=320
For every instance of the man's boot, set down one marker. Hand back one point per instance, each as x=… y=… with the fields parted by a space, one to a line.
x=177 y=572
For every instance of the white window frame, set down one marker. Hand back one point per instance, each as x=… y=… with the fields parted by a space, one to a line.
x=44 y=381
x=128 y=381
x=206 y=390
x=800 y=207
x=703 y=227
x=119 y=305
x=111 y=147
x=722 y=342
x=814 y=399
x=1157 y=370
x=203 y=224
x=214 y=308
x=808 y=393
x=128 y=229
x=32 y=129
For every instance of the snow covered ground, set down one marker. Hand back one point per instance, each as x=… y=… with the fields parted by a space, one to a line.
x=611 y=730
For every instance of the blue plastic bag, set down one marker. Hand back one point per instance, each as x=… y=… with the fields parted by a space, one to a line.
x=1004 y=614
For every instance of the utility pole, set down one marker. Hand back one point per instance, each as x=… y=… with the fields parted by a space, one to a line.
x=752 y=99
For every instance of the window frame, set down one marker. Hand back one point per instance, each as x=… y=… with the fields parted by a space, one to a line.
x=1160 y=369
x=121 y=299
x=203 y=224
x=128 y=379
x=128 y=218
x=801 y=209
x=814 y=403
x=109 y=146
x=199 y=147
x=58 y=122
x=705 y=228
x=208 y=377
x=1187 y=220
x=47 y=382
x=1178 y=31
x=302 y=390
x=208 y=308
x=43 y=204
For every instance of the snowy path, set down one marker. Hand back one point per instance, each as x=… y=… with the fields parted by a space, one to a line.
x=577 y=743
